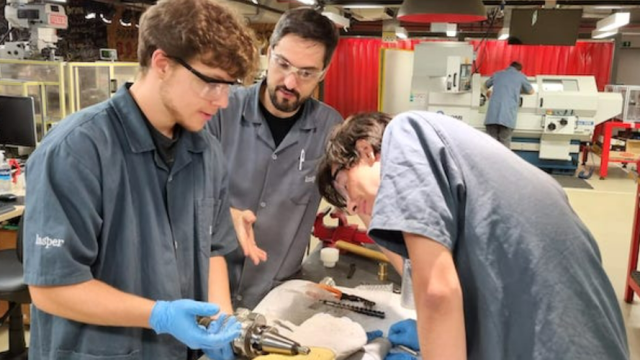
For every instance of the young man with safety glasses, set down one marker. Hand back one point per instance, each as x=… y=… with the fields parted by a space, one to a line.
x=272 y=135
x=137 y=195
x=502 y=267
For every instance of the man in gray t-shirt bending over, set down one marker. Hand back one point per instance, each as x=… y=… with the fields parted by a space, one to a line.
x=502 y=266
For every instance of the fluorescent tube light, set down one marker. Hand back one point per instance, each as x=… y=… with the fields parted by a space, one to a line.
x=595 y=34
x=613 y=21
x=401 y=33
x=339 y=20
x=503 y=34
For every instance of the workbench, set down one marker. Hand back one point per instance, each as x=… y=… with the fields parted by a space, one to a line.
x=287 y=302
x=606 y=156
x=366 y=270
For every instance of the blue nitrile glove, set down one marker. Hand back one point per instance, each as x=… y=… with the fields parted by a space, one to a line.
x=224 y=352
x=371 y=335
x=405 y=332
x=178 y=318
x=399 y=356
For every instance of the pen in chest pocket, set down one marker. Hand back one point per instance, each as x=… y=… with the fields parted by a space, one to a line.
x=301 y=160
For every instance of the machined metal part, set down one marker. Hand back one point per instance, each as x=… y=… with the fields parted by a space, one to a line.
x=257 y=338
x=382 y=271
x=408 y=350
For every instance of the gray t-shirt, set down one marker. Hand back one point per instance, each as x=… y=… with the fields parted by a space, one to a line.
x=530 y=271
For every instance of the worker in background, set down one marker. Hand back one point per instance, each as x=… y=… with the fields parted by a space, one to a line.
x=504 y=89
x=502 y=267
x=272 y=135
x=127 y=222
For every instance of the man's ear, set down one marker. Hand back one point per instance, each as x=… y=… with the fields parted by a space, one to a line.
x=366 y=153
x=160 y=63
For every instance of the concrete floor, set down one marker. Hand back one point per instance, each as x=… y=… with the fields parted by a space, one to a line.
x=608 y=211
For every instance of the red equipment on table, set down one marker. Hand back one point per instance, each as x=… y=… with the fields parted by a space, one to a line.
x=329 y=235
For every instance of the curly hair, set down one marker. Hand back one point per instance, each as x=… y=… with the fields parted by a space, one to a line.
x=202 y=29
x=341 y=152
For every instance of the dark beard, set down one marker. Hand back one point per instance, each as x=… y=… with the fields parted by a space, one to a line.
x=285 y=106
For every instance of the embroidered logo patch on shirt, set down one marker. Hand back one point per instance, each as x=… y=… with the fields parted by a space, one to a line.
x=308 y=179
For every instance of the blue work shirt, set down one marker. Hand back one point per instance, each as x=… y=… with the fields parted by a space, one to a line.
x=531 y=274
x=507 y=86
x=95 y=210
x=277 y=184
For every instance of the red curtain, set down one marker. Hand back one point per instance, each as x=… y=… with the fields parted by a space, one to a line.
x=585 y=58
x=351 y=84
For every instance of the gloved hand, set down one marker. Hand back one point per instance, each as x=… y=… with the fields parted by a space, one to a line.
x=371 y=335
x=225 y=352
x=405 y=333
x=178 y=318
x=399 y=356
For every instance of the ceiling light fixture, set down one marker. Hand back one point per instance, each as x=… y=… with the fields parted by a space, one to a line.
x=449 y=29
x=613 y=21
x=608 y=7
x=339 y=20
x=105 y=19
x=595 y=34
x=307 y=2
x=503 y=34
x=449 y=11
x=107 y=14
x=126 y=18
x=401 y=33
